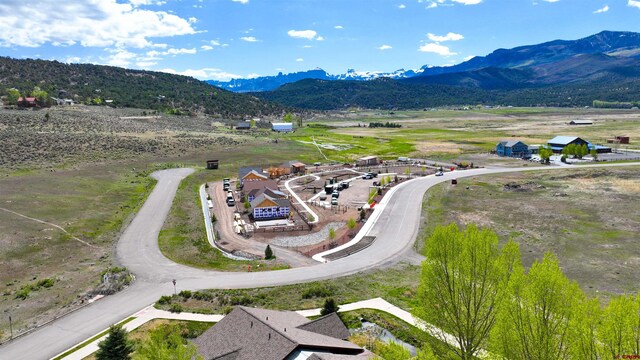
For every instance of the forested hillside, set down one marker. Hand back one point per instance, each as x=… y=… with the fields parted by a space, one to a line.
x=89 y=83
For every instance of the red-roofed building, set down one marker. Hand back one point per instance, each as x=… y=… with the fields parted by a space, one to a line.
x=28 y=102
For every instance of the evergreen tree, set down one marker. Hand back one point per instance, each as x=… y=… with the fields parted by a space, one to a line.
x=116 y=346
x=329 y=307
x=268 y=253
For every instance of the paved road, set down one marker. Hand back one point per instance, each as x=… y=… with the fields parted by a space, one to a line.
x=396 y=230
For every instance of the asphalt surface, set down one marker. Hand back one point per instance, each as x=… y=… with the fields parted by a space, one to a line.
x=395 y=229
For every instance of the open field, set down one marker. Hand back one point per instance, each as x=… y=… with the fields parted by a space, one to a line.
x=451 y=135
x=588 y=218
x=89 y=177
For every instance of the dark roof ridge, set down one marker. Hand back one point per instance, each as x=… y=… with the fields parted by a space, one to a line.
x=283 y=333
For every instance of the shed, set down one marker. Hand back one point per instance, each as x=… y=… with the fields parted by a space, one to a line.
x=212 y=164
x=243 y=125
x=282 y=127
x=618 y=140
x=558 y=143
x=580 y=122
x=367 y=161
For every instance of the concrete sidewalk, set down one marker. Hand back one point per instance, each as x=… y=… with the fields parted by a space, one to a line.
x=150 y=313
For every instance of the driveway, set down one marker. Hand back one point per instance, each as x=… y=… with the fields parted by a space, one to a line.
x=396 y=230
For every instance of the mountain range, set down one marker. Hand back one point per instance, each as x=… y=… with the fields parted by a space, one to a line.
x=268 y=83
x=550 y=63
x=605 y=66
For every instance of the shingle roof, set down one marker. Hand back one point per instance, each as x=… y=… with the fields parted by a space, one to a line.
x=509 y=143
x=280 y=201
x=250 y=334
x=329 y=325
x=243 y=171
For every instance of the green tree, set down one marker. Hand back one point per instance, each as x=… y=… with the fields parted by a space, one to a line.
x=534 y=317
x=620 y=329
x=594 y=154
x=268 y=253
x=247 y=206
x=332 y=233
x=545 y=154
x=288 y=117
x=12 y=96
x=42 y=97
x=462 y=282
x=116 y=346
x=351 y=224
x=584 y=330
x=329 y=307
x=165 y=343
x=584 y=150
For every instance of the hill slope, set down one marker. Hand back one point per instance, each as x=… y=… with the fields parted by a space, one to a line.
x=605 y=66
x=128 y=88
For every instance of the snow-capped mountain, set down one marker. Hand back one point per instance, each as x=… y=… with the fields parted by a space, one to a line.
x=267 y=83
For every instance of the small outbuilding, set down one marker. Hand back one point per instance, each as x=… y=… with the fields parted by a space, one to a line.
x=580 y=122
x=618 y=140
x=243 y=125
x=212 y=164
x=282 y=127
x=368 y=161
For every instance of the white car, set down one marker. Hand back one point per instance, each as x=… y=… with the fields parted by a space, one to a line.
x=334 y=201
x=439 y=173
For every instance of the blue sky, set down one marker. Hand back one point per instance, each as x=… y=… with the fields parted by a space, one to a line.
x=221 y=39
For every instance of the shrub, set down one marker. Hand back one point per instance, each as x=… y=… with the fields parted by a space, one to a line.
x=164 y=300
x=175 y=308
x=46 y=283
x=23 y=293
x=199 y=295
x=185 y=294
x=317 y=291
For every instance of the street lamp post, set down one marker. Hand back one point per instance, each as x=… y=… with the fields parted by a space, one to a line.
x=10 y=327
x=174 y=287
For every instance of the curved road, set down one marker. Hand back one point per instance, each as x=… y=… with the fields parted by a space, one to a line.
x=395 y=229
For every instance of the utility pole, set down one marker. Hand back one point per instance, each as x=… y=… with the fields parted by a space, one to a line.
x=174 y=287
x=10 y=327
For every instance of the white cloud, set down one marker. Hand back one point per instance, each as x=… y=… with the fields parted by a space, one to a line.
x=436 y=49
x=435 y=3
x=339 y=27
x=180 y=51
x=91 y=23
x=146 y=64
x=305 y=34
x=299 y=59
x=120 y=57
x=634 y=3
x=205 y=74
x=402 y=6
x=308 y=46
x=467 y=58
x=472 y=2
x=550 y=1
x=73 y=59
x=602 y=10
x=384 y=47
x=206 y=47
x=449 y=37
x=249 y=39
x=241 y=1
x=147 y=2
x=252 y=76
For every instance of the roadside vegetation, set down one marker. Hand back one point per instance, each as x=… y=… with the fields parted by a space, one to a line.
x=583 y=216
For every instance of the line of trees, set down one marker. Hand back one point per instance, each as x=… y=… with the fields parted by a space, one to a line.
x=575 y=150
x=482 y=296
x=384 y=125
x=13 y=95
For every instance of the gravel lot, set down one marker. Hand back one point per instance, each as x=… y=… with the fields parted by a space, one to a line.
x=310 y=239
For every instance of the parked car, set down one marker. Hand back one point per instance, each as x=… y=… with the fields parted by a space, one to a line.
x=334 y=201
x=323 y=197
x=343 y=185
x=439 y=173
x=317 y=163
x=226 y=181
x=373 y=175
x=231 y=202
x=225 y=187
x=335 y=194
